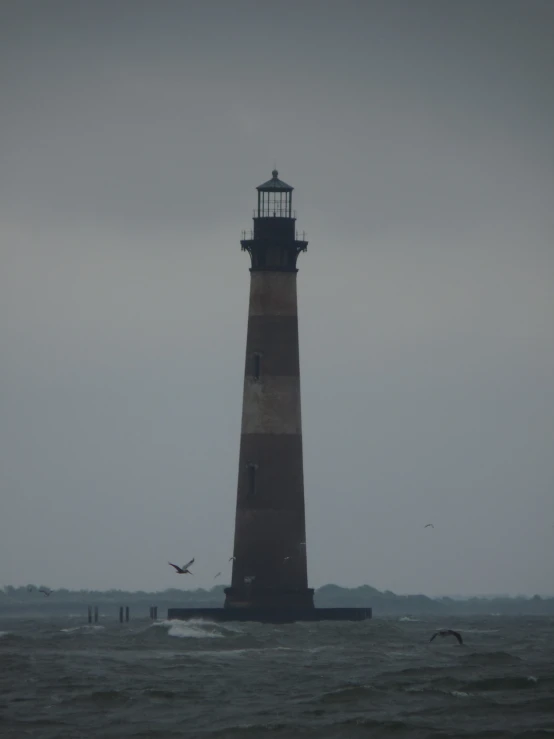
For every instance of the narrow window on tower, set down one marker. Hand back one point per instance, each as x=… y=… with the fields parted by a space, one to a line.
x=257 y=361
x=251 y=470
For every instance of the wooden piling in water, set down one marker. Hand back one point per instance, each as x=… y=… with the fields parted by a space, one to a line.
x=120 y=614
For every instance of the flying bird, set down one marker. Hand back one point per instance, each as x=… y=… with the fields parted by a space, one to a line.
x=218 y=574
x=45 y=591
x=232 y=558
x=447 y=632
x=427 y=526
x=286 y=559
x=184 y=570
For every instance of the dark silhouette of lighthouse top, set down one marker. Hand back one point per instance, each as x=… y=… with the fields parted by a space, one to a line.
x=269 y=566
x=273 y=244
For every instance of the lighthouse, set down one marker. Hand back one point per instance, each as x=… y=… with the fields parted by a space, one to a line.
x=269 y=582
x=269 y=565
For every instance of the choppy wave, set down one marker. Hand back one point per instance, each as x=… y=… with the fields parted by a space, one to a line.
x=489 y=658
x=198 y=679
x=193 y=629
x=83 y=628
x=510 y=682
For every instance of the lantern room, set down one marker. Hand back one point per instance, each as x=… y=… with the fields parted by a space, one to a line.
x=274 y=198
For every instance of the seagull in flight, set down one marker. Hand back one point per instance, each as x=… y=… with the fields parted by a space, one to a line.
x=286 y=559
x=232 y=558
x=184 y=570
x=448 y=632
x=427 y=526
x=45 y=591
x=218 y=574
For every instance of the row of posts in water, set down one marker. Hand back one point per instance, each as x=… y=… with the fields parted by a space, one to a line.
x=123 y=614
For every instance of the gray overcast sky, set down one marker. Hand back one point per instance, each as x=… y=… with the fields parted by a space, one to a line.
x=418 y=136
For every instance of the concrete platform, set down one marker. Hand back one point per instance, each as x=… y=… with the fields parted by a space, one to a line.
x=271 y=615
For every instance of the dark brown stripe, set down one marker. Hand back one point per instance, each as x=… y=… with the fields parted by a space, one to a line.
x=273 y=294
x=279 y=479
x=262 y=541
x=275 y=338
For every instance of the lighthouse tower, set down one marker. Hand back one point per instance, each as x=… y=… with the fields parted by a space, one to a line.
x=269 y=566
x=269 y=582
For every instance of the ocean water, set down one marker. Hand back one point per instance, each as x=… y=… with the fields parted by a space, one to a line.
x=381 y=678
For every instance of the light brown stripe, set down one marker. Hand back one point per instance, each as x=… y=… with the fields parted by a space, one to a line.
x=271 y=406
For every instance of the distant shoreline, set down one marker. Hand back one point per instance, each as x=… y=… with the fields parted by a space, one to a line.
x=385 y=603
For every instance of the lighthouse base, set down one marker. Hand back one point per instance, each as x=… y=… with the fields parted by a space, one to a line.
x=250 y=596
x=270 y=615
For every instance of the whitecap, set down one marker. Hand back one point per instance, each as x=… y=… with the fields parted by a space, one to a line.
x=460 y=694
x=84 y=627
x=229 y=626
x=223 y=652
x=239 y=652
x=532 y=679
x=194 y=629
x=408 y=618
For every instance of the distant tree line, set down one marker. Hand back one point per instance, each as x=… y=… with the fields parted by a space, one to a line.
x=383 y=602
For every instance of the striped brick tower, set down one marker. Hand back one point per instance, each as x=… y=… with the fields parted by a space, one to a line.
x=269 y=569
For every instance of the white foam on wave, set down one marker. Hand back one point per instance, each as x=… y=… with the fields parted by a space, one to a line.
x=233 y=653
x=459 y=694
x=193 y=629
x=532 y=679
x=232 y=627
x=225 y=653
x=408 y=618
x=84 y=627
